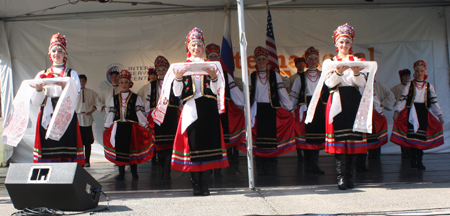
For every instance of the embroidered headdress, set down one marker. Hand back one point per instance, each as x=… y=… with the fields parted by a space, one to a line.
x=344 y=31
x=212 y=48
x=161 y=61
x=420 y=63
x=311 y=51
x=261 y=51
x=194 y=35
x=57 y=40
x=124 y=74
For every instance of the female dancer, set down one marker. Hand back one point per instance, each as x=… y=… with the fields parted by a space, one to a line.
x=414 y=125
x=198 y=145
x=69 y=148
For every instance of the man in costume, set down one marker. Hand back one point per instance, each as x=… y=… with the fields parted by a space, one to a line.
x=85 y=108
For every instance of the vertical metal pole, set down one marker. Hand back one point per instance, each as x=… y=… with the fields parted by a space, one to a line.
x=245 y=82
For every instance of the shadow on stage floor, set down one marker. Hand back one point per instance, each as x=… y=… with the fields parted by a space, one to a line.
x=389 y=170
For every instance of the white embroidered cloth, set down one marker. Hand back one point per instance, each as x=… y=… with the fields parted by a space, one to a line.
x=189 y=113
x=17 y=119
x=363 y=120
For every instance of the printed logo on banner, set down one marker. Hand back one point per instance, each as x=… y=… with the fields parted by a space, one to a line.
x=113 y=67
x=138 y=73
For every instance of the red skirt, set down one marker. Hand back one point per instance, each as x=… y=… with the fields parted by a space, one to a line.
x=236 y=125
x=381 y=132
x=142 y=146
x=285 y=136
x=181 y=155
x=341 y=147
x=37 y=152
x=435 y=135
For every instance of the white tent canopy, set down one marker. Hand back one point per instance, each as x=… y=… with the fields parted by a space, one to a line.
x=394 y=33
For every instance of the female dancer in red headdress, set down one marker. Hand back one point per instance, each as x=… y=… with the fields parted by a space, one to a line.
x=69 y=148
x=414 y=126
x=199 y=145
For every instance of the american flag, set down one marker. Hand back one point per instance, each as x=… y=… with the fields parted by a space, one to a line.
x=271 y=46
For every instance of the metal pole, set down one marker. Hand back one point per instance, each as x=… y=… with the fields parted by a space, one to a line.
x=248 y=122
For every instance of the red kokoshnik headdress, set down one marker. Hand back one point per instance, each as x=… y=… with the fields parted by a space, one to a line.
x=420 y=63
x=212 y=48
x=261 y=51
x=161 y=61
x=58 y=40
x=311 y=51
x=344 y=31
x=194 y=35
x=124 y=74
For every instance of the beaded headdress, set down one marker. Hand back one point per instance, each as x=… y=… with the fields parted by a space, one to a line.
x=420 y=63
x=311 y=51
x=161 y=61
x=212 y=48
x=57 y=40
x=344 y=31
x=260 y=51
x=124 y=74
x=194 y=35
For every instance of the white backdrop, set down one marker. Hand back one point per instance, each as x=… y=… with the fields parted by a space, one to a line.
x=398 y=37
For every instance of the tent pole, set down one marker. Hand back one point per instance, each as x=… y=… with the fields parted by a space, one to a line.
x=248 y=123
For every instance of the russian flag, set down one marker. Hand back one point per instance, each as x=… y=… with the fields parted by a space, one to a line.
x=227 y=48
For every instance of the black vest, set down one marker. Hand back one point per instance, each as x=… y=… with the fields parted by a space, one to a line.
x=154 y=97
x=130 y=110
x=412 y=93
x=273 y=89
x=302 y=99
x=189 y=87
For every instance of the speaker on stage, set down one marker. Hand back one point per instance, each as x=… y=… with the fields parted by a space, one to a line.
x=63 y=186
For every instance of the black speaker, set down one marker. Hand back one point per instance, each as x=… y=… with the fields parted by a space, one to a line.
x=63 y=186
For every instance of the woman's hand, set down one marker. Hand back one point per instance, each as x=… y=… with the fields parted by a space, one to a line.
x=342 y=69
x=441 y=120
x=395 y=116
x=38 y=87
x=356 y=70
x=212 y=72
x=62 y=84
x=179 y=73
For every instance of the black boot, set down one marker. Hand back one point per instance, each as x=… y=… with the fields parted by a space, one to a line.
x=340 y=170
x=299 y=156
x=195 y=179
x=361 y=163
x=405 y=153
x=420 y=165
x=307 y=157
x=204 y=179
x=134 y=171
x=259 y=166
x=218 y=173
x=165 y=158
x=315 y=162
x=413 y=158
x=350 y=169
x=375 y=154
x=121 y=175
